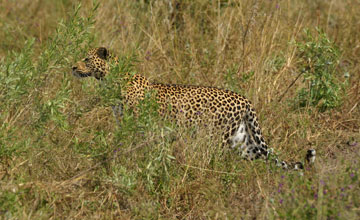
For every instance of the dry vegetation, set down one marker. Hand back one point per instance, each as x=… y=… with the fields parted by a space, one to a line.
x=62 y=155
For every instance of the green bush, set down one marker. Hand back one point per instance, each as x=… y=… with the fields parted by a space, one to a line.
x=319 y=60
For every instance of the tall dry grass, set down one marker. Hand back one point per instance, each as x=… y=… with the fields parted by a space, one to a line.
x=62 y=155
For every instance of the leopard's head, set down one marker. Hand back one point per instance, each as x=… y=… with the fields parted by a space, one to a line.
x=94 y=64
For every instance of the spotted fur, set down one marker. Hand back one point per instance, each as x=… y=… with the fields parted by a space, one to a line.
x=224 y=111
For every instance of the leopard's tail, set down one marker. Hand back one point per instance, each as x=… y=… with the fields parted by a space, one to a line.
x=257 y=147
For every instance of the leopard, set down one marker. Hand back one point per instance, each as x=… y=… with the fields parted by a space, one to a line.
x=225 y=112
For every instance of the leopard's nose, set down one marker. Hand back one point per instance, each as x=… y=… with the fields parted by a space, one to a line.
x=74 y=68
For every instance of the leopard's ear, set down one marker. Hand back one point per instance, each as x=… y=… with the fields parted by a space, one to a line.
x=103 y=53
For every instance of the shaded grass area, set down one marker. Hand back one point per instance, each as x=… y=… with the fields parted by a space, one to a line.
x=62 y=155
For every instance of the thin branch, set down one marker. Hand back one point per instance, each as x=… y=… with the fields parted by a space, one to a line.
x=293 y=82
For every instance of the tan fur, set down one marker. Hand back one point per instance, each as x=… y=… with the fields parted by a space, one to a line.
x=224 y=111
